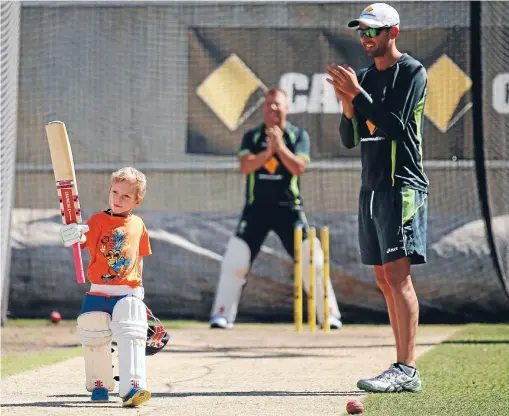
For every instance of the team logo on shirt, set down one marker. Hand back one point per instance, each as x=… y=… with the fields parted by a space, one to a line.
x=113 y=249
x=271 y=165
x=371 y=127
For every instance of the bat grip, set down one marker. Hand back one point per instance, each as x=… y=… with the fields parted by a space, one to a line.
x=78 y=263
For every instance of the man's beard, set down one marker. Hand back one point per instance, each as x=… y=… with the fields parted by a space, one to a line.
x=378 y=52
x=275 y=121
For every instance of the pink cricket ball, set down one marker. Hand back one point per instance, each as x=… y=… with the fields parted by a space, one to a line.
x=354 y=407
x=55 y=317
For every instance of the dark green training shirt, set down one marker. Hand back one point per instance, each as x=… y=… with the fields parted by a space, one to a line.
x=273 y=184
x=388 y=123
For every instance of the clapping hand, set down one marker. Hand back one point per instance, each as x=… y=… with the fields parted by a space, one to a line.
x=344 y=80
x=274 y=138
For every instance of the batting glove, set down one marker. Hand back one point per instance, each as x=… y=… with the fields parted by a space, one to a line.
x=73 y=233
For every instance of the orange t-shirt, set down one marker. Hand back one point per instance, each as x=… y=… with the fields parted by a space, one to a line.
x=116 y=244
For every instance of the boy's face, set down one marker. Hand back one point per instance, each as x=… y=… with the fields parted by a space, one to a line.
x=123 y=197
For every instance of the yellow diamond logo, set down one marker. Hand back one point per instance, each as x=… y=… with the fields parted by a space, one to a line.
x=233 y=92
x=271 y=165
x=371 y=127
x=447 y=84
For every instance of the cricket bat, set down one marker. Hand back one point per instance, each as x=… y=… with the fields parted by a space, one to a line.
x=67 y=189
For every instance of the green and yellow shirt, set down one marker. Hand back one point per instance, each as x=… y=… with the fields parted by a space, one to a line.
x=388 y=123
x=273 y=184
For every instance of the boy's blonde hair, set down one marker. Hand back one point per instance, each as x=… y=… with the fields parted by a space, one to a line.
x=133 y=176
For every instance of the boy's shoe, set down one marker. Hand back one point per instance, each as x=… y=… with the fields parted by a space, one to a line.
x=136 y=397
x=392 y=380
x=220 y=321
x=100 y=395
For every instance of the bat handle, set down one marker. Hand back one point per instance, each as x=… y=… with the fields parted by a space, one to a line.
x=78 y=263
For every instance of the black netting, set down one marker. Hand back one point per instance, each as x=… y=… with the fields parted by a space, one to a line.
x=171 y=88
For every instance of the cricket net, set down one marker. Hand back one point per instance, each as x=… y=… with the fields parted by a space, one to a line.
x=495 y=109
x=9 y=16
x=170 y=88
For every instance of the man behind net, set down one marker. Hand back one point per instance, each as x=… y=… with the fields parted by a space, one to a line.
x=272 y=156
x=383 y=108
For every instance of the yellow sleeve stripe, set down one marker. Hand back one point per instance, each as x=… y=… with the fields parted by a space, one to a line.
x=304 y=156
x=243 y=152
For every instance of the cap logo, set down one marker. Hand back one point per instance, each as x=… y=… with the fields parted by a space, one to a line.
x=369 y=9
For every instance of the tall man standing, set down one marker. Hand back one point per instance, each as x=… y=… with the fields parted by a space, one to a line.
x=383 y=108
x=272 y=156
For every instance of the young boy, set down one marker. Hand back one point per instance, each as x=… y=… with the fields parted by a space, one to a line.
x=113 y=308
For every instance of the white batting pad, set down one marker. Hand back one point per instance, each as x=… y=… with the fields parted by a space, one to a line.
x=234 y=268
x=332 y=301
x=94 y=330
x=129 y=324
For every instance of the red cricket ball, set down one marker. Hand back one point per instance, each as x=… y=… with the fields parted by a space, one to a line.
x=55 y=317
x=354 y=407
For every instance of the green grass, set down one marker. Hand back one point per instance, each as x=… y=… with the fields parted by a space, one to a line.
x=467 y=375
x=19 y=362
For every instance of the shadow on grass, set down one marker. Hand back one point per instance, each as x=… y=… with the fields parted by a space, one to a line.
x=241 y=394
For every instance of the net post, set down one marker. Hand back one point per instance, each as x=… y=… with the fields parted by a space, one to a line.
x=11 y=11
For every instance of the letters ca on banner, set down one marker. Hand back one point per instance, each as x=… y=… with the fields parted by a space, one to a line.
x=501 y=93
x=230 y=69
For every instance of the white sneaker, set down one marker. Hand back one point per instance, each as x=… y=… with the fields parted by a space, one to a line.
x=219 y=321
x=393 y=380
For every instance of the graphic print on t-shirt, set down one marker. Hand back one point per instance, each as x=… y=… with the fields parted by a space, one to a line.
x=114 y=247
